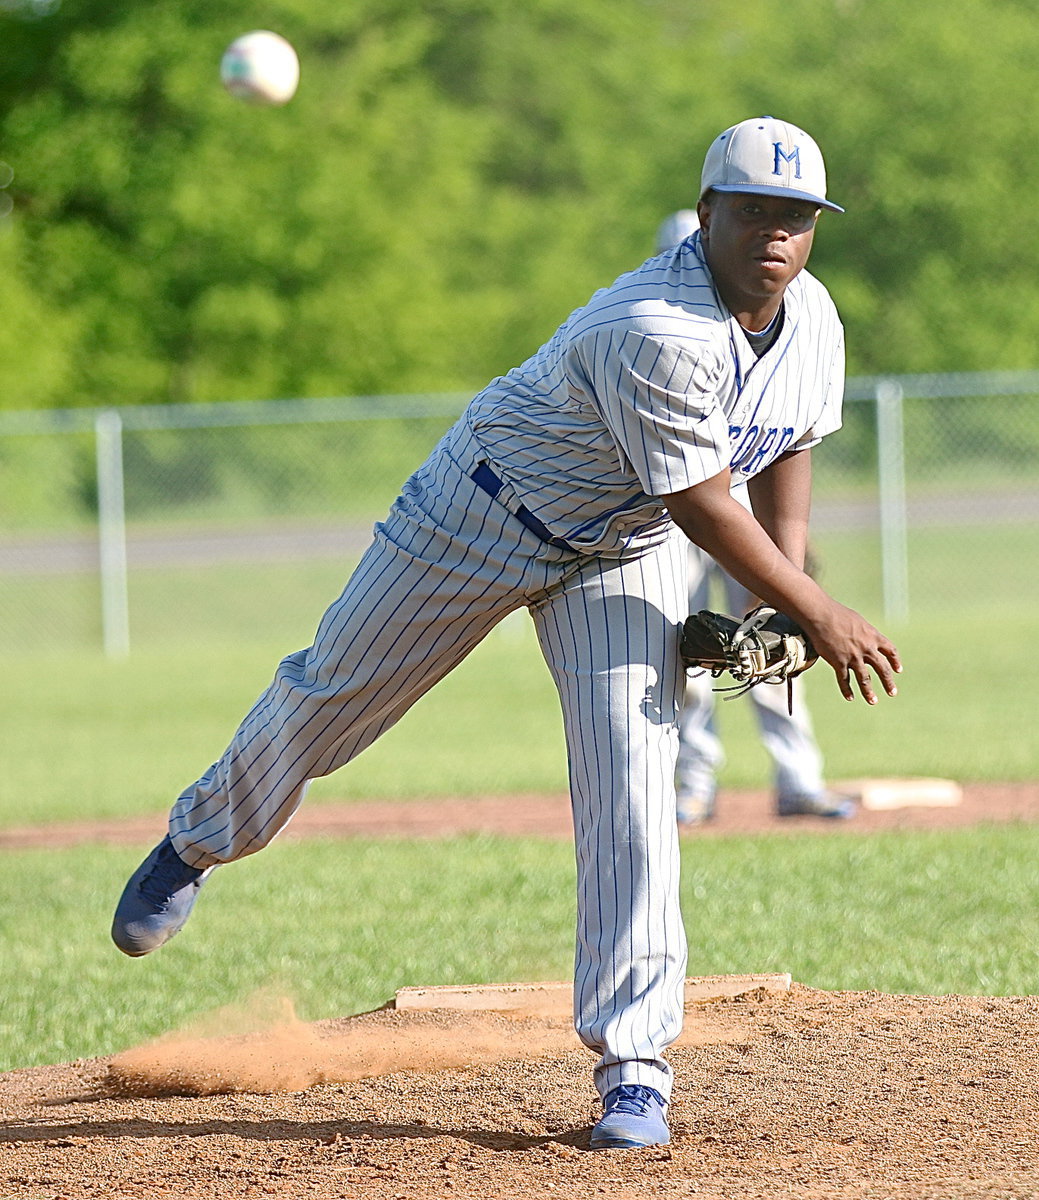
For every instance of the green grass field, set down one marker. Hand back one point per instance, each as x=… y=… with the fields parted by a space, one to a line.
x=87 y=737
x=337 y=927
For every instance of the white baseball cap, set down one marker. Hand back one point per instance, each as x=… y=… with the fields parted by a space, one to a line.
x=766 y=157
x=676 y=228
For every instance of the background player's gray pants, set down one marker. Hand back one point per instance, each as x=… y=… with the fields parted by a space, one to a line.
x=797 y=763
x=448 y=564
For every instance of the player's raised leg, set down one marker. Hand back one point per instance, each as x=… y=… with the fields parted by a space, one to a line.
x=610 y=638
x=443 y=570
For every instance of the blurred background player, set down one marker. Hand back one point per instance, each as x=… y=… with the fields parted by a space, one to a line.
x=787 y=737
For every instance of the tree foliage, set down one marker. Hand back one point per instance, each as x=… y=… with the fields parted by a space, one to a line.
x=453 y=178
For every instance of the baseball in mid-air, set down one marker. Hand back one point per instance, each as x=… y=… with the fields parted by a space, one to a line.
x=260 y=67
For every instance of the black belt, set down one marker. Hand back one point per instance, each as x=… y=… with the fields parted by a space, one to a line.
x=486 y=479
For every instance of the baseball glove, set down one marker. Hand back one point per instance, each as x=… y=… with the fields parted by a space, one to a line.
x=765 y=647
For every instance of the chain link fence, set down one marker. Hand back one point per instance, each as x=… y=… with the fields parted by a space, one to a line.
x=124 y=527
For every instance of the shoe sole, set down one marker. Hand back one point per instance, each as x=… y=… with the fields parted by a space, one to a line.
x=624 y=1144
x=137 y=946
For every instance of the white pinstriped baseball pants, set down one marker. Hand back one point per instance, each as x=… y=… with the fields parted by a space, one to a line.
x=448 y=563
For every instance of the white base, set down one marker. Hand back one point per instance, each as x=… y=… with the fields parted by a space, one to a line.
x=884 y=794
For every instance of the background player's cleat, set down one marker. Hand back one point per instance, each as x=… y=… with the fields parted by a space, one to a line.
x=633 y=1116
x=825 y=804
x=695 y=807
x=156 y=902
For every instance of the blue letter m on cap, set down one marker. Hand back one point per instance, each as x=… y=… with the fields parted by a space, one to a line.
x=793 y=157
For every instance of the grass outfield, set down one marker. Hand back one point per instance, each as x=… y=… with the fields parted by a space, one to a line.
x=84 y=737
x=337 y=927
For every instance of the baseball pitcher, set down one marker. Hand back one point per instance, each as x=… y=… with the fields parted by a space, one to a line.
x=569 y=487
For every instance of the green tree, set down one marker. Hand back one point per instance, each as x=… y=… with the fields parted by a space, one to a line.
x=453 y=178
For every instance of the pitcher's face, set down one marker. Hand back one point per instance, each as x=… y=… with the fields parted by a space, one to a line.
x=755 y=245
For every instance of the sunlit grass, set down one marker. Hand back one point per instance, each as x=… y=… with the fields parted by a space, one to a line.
x=338 y=926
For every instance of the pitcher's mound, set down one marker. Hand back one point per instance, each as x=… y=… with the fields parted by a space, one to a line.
x=816 y=1095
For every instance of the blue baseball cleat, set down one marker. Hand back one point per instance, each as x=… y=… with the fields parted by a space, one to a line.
x=156 y=902
x=633 y=1116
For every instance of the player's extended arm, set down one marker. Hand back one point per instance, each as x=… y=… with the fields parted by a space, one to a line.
x=733 y=537
x=781 y=497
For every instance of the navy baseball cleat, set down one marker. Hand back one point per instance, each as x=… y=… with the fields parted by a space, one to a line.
x=825 y=804
x=633 y=1116
x=156 y=902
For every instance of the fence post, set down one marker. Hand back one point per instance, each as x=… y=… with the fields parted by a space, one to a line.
x=894 y=552
x=111 y=523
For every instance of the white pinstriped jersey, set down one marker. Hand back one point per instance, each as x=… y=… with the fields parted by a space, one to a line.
x=651 y=388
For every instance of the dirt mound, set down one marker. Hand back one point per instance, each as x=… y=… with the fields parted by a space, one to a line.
x=822 y=1096
x=291 y=1056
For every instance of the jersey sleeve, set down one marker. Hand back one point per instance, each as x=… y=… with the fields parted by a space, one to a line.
x=657 y=398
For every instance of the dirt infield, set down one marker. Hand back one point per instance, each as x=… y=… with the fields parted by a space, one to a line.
x=808 y=1094
x=549 y=816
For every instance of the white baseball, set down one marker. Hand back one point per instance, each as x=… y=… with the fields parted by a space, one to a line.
x=260 y=67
